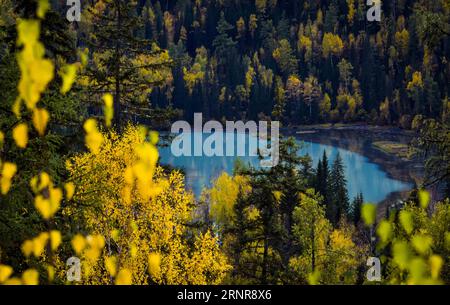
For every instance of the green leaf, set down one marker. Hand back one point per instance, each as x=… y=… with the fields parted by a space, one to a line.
x=406 y=220
x=422 y=243
x=436 y=263
x=417 y=269
x=368 y=213
x=424 y=198
x=401 y=254
x=384 y=231
x=314 y=277
x=68 y=74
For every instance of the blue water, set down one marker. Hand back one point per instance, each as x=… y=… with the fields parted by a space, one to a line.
x=362 y=175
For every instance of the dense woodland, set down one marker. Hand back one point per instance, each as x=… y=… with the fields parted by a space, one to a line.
x=79 y=176
x=301 y=62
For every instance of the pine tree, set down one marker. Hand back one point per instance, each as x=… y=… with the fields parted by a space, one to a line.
x=290 y=182
x=239 y=228
x=307 y=170
x=322 y=178
x=331 y=18
x=358 y=201
x=433 y=101
x=122 y=63
x=223 y=44
x=338 y=206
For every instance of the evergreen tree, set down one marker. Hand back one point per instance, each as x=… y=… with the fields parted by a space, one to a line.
x=275 y=194
x=357 y=203
x=122 y=63
x=331 y=17
x=239 y=230
x=323 y=177
x=338 y=205
x=224 y=48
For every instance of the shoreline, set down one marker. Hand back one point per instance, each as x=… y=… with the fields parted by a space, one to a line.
x=379 y=157
x=359 y=138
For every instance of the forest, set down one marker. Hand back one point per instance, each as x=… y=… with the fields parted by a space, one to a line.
x=85 y=99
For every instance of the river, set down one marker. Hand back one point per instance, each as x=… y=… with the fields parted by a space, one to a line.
x=362 y=174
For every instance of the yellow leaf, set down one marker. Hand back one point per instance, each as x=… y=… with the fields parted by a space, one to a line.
x=154 y=137
x=314 y=277
x=45 y=181
x=33 y=184
x=368 y=212
x=2 y=138
x=40 y=120
x=43 y=7
x=94 y=138
x=92 y=254
x=143 y=131
x=55 y=239
x=78 y=243
x=43 y=206
x=27 y=248
x=51 y=273
x=90 y=125
x=422 y=243
x=436 y=263
x=68 y=75
x=406 y=220
x=39 y=244
x=16 y=107
x=147 y=153
x=41 y=72
x=111 y=265
x=424 y=198
x=8 y=172
x=108 y=109
x=20 y=135
x=5 y=272
x=96 y=241
x=401 y=254
x=28 y=31
x=70 y=190
x=30 y=277
x=56 y=196
x=13 y=281
x=124 y=277
x=384 y=231
x=38 y=183
x=154 y=264
x=417 y=270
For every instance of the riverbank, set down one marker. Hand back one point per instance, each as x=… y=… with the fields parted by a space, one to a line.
x=385 y=146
